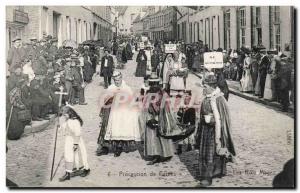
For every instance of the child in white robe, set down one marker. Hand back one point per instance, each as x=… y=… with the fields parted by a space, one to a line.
x=73 y=144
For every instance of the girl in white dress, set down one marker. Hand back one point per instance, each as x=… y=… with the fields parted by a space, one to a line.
x=74 y=143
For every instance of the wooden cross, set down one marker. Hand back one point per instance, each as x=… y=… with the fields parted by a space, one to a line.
x=61 y=93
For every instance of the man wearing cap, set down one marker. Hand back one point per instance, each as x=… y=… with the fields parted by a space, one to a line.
x=77 y=83
x=107 y=68
x=15 y=54
x=33 y=51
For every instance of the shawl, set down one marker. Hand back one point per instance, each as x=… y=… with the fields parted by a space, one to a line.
x=218 y=101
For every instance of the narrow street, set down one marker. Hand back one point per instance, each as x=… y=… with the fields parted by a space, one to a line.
x=263 y=139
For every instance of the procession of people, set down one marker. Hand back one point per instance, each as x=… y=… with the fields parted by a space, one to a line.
x=161 y=118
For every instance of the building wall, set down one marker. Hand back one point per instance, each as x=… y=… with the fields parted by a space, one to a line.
x=73 y=22
x=285 y=23
x=137 y=27
x=211 y=26
x=212 y=29
x=126 y=19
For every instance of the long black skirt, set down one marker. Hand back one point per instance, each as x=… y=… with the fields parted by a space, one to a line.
x=16 y=127
x=210 y=164
x=141 y=69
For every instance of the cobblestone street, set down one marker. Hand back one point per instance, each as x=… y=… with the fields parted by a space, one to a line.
x=263 y=139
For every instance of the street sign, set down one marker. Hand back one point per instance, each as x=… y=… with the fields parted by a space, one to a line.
x=213 y=60
x=170 y=48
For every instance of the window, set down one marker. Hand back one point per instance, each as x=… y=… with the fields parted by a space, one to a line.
x=132 y=17
x=259 y=36
x=20 y=8
x=178 y=31
x=276 y=14
x=68 y=27
x=76 y=35
x=242 y=17
x=257 y=16
x=191 y=32
x=227 y=29
x=242 y=27
x=277 y=37
x=243 y=36
x=201 y=31
x=198 y=31
x=195 y=31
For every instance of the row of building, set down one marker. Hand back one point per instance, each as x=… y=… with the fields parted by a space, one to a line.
x=221 y=26
x=78 y=23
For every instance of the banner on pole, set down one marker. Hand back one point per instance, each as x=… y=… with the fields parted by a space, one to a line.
x=213 y=60
x=170 y=48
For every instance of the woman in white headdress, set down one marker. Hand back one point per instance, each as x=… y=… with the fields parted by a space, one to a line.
x=166 y=65
x=177 y=73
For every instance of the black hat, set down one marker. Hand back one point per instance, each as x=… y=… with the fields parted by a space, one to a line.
x=219 y=50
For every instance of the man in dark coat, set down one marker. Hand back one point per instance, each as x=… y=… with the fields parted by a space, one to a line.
x=77 y=83
x=115 y=47
x=53 y=49
x=263 y=68
x=40 y=64
x=155 y=61
x=284 y=83
x=15 y=54
x=222 y=84
x=107 y=68
x=40 y=99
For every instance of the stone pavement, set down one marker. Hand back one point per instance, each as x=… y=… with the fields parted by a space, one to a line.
x=263 y=139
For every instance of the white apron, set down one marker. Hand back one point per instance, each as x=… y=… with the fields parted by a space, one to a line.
x=123 y=119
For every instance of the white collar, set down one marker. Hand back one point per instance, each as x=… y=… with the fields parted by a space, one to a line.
x=216 y=92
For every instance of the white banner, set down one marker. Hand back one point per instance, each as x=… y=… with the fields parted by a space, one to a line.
x=213 y=60
x=170 y=48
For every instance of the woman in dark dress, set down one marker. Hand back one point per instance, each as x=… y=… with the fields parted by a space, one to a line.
x=141 y=60
x=15 y=126
x=157 y=148
x=214 y=136
x=88 y=70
